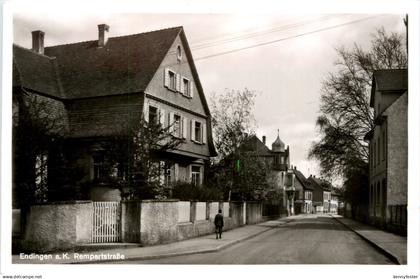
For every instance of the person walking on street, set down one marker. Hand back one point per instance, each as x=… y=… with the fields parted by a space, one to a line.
x=218 y=222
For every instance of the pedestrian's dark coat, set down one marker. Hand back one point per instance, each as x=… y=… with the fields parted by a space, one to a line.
x=218 y=220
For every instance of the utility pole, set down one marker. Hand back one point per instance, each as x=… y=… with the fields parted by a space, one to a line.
x=406 y=32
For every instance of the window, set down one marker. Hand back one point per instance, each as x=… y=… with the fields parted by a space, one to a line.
x=177 y=132
x=172 y=80
x=195 y=175
x=167 y=173
x=153 y=115
x=185 y=87
x=98 y=166
x=197 y=132
x=41 y=170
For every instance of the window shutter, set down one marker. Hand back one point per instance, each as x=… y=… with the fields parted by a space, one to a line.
x=181 y=86
x=184 y=127
x=204 y=133
x=162 y=117
x=171 y=122
x=166 y=77
x=178 y=82
x=146 y=112
x=191 y=84
x=193 y=130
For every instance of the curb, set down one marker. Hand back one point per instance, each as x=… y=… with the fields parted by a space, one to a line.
x=185 y=253
x=388 y=254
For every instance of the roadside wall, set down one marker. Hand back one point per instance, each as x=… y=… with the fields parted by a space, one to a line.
x=58 y=226
x=66 y=225
x=253 y=212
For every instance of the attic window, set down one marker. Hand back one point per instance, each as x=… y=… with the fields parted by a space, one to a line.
x=178 y=53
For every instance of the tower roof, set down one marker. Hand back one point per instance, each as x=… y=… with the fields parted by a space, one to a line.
x=277 y=145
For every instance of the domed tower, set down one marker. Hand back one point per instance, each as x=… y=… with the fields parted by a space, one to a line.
x=281 y=154
x=278 y=145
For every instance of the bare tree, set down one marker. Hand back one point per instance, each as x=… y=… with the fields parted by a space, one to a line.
x=345 y=115
x=239 y=172
x=232 y=119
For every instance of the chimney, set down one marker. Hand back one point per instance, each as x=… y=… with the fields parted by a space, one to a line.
x=263 y=138
x=103 y=36
x=38 y=41
x=295 y=167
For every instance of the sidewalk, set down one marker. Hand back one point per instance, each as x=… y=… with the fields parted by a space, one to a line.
x=204 y=244
x=394 y=246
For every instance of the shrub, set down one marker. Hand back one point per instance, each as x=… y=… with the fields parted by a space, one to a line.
x=188 y=191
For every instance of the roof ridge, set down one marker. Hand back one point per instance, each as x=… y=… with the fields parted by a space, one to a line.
x=34 y=52
x=116 y=37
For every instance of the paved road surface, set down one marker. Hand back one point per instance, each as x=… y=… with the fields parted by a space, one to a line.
x=309 y=239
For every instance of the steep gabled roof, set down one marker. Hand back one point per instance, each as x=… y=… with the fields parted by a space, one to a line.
x=391 y=80
x=36 y=72
x=124 y=65
x=320 y=183
x=302 y=179
x=254 y=144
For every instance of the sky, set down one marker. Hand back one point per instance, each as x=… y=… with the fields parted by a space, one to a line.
x=283 y=57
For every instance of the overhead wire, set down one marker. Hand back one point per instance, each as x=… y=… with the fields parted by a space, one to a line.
x=285 y=38
x=283 y=28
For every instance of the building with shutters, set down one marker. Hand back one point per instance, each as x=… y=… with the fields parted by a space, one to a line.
x=388 y=150
x=96 y=87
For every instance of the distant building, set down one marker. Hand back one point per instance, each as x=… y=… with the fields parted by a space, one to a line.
x=321 y=194
x=388 y=159
x=303 y=193
x=282 y=176
x=336 y=201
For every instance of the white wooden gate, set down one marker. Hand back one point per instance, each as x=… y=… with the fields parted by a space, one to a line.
x=106 y=222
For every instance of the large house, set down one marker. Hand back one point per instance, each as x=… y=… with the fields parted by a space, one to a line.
x=95 y=88
x=388 y=149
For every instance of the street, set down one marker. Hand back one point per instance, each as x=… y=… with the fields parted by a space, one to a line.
x=307 y=239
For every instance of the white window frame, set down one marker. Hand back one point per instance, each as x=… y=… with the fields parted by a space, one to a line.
x=169 y=82
x=149 y=114
x=202 y=132
x=177 y=133
x=185 y=86
x=194 y=173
